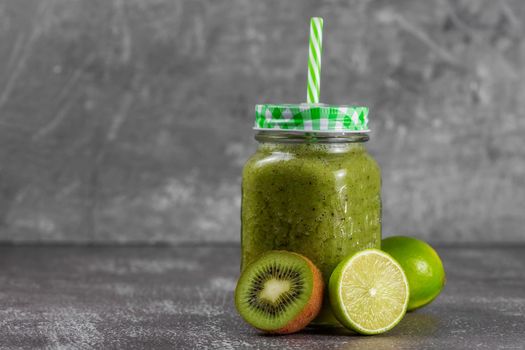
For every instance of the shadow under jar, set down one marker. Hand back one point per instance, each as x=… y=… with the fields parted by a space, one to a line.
x=314 y=192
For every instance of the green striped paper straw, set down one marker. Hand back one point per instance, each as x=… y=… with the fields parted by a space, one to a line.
x=314 y=60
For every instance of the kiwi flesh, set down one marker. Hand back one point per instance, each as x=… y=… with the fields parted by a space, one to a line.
x=280 y=292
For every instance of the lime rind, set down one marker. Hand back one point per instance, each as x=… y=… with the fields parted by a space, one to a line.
x=422 y=265
x=339 y=305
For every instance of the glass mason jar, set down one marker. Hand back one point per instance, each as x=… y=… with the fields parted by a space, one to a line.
x=317 y=193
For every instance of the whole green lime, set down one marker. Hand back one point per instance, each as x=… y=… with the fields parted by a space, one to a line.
x=422 y=266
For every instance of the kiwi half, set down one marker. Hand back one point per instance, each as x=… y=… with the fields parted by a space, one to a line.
x=280 y=292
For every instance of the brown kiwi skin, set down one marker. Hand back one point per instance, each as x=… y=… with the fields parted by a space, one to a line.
x=311 y=309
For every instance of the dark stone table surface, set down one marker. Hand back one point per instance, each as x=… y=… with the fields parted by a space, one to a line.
x=181 y=297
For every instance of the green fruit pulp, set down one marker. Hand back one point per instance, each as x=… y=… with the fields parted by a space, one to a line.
x=369 y=292
x=273 y=290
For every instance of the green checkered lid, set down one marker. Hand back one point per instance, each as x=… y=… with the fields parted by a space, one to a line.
x=311 y=118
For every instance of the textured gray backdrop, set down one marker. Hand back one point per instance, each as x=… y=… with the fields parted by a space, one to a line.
x=129 y=120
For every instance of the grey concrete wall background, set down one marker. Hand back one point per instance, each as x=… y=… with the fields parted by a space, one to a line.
x=129 y=120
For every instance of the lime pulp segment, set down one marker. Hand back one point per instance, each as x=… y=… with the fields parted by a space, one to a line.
x=371 y=292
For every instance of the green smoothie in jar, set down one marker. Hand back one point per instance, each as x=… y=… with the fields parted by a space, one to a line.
x=311 y=187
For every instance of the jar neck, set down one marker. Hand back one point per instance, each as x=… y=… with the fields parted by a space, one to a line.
x=310 y=137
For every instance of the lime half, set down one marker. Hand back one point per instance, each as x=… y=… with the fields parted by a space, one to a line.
x=369 y=292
